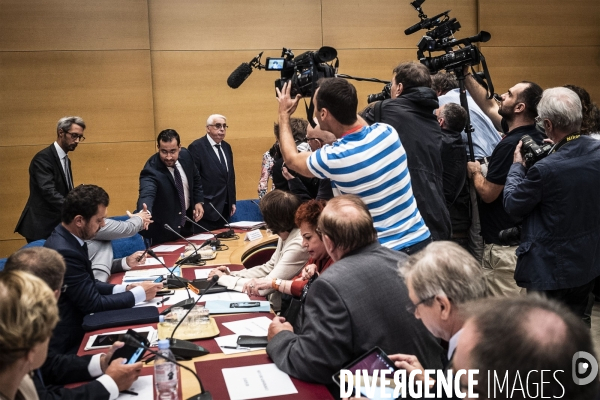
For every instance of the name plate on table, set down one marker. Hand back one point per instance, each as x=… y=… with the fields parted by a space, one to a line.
x=253 y=235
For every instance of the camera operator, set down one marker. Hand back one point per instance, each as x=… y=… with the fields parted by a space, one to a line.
x=410 y=112
x=559 y=200
x=518 y=109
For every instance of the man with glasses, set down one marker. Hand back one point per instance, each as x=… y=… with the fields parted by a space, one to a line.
x=517 y=109
x=50 y=179
x=170 y=189
x=214 y=159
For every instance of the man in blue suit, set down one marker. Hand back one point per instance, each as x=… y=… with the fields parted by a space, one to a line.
x=214 y=159
x=171 y=189
x=83 y=213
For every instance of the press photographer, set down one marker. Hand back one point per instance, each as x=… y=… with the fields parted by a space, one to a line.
x=559 y=202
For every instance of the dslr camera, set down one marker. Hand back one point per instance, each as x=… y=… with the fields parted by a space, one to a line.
x=304 y=70
x=533 y=152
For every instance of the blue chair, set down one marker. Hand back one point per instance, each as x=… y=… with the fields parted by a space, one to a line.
x=126 y=246
x=246 y=210
x=36 y=243
x=2 y=263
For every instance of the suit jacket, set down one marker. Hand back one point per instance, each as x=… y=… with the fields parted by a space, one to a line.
x=359 y=302
x=218 y=183
x=158 y=191
x=61 y=369
x=47 y=190
x=83 y=295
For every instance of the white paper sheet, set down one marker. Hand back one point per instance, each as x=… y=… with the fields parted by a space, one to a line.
x=257 y=381
x=202 y=236
x=229 y=296
x=231 y=340
x=246 y=224
x=167 y=248
x=144 y=387
x=202 y=273
x=253 y=326
x=179 y=295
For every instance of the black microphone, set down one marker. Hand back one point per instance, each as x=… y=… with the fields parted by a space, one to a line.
x=188 y=258
x=416 y=27
x=175 y=282
x=227 y=234
x=133 y=342
x=239 y=75
x=212 y=242
x=184 y=348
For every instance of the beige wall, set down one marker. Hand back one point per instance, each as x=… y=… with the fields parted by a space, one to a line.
x=131 y=68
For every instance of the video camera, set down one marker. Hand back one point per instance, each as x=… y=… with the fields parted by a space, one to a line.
x=303 y=71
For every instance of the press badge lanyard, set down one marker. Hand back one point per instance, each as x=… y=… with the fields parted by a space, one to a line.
x=560 y=144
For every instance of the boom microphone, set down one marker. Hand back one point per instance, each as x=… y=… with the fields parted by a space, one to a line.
x=239 y=75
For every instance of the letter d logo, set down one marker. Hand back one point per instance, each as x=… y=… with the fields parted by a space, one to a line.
x=579 y=368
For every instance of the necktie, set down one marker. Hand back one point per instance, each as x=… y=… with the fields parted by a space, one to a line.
x=68 y=173
x=85 y=248
x=179 y=185
x=221 y=155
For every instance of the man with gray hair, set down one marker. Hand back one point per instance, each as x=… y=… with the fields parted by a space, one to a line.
x=559 y=202
x=214 y=159
x=50 y=180
x=440 y=280
x=357 y=303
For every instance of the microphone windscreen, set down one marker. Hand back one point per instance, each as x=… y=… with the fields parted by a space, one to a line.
x=239 y=75
x=214 y=278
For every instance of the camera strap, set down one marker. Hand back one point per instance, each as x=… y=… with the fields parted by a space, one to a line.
x=377 y=111
x=566 y=140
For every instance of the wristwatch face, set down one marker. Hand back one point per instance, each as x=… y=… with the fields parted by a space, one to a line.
x=278 y=282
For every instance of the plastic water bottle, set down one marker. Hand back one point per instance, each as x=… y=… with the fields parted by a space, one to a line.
x=166 y=377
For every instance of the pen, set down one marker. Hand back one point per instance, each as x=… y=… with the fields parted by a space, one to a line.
x=164 y=299
x=140 y=258
x=236 y=348
x=129 y=392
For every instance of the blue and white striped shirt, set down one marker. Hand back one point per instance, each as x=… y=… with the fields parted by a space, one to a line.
x=371 y=164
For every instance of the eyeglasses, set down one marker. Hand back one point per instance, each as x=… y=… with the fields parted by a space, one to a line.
x=219 y=126
x=75 y=136
x=412 y=308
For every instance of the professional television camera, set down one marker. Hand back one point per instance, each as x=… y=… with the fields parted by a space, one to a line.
x=303 y=71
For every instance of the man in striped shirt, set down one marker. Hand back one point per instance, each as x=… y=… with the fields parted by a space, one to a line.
x=368 y=161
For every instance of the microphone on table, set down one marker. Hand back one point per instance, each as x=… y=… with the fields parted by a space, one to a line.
x=177 y=282
x=227 y=234
x=184 y=348
x=194 y=257
x=133 y=342
x=213 y=242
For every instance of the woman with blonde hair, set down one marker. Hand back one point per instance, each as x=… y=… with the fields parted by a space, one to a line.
x=28 y=314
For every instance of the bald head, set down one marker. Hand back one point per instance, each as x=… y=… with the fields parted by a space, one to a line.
x=317 y=137
x=347 y=223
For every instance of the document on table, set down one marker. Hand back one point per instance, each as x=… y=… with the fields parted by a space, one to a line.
x=143 y=387
x=225 y=307
x=253 y=326
x=152 y=261
x=231 y=341
x=137 y=275
x=202 y=236
x=246 y=224
x=257 y=381
x=229 y=296
x=202 y=273
x=167 y=248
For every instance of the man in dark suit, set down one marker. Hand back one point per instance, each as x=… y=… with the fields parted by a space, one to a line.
x=83 y=213
x=62 y=369
x=357 y=303
x=50 y=179
x=171 y=188
x=214 y=159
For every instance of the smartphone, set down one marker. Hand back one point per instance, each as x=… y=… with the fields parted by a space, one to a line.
x=159 y=279
x=245 y=304
x=275 y=64
x=130 y=353
x=165 y=292
x=108 y=340
x=374 y=359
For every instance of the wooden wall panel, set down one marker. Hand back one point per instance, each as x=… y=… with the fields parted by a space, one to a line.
x=547 y=66
x=247 y=153
x=541 y=23
x=234 y=25
x=27 y=25
x=381 y=24
x=7 y=247
x=110 y=90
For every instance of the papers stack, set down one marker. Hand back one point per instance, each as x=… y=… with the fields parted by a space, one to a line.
x=247 y=224
x=140 y=275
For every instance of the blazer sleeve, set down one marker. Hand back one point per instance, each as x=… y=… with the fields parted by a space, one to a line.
x=91 y=391
x=88 y=295
x=61 y=369
x=198 y=194
x=324 y=343
x=522 y=191
x=119 y=229
x=148 y=189
x=42 y=171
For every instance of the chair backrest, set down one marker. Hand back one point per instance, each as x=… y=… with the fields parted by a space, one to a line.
x=246 y=210
x=36 y=243
x=126 y=246
x=258 y=257
x=2 y=263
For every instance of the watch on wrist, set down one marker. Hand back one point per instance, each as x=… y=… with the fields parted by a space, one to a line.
x=276 y=283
